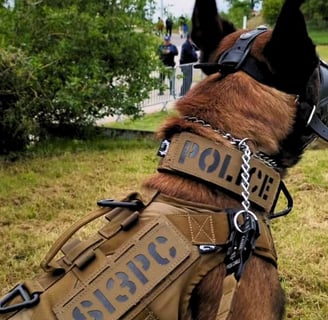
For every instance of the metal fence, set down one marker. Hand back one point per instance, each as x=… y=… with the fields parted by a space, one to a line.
x=176 y=82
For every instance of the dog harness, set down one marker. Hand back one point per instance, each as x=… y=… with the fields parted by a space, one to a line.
x=142 y=265
x=146 y=260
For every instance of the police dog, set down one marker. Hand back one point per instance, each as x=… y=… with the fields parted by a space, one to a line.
x=267 y=100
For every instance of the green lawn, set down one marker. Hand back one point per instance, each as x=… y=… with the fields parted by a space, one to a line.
x=149 y=122
x=55 y=184
x=323 y=52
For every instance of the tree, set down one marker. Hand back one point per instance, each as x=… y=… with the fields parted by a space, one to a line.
x=270 y=10
x=237 y=11
x=16 y=125
x=86 y=59
x=248 y=3
x=315 y=11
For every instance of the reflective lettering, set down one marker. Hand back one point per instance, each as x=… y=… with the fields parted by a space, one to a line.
x=189 y=150
x=267 y=183
x=95 y=314
x=216 y=160
x=100 y=296
x=158 y=258
x=225 y=166
x=126 y=283
x=136 y=271
x=77 y=315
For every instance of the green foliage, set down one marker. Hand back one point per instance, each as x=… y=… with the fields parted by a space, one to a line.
x=86 y=60
x=16 y=126
x=149 y=122
x=270 y=10
x=249 y=3
x=315 y=12
x=237 y=11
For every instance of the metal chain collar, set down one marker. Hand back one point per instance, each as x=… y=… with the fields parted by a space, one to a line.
x=242 y=145
x=234 y=141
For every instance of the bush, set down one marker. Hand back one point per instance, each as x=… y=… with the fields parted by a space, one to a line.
x=16 y=125
x=86 y=64
x=75 y=62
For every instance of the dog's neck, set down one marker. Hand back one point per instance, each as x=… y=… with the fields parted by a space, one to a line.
x=188 y=181
x=235 y=141
x=232 y=169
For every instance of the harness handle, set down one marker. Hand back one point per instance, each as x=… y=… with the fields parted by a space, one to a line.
x=47 y=263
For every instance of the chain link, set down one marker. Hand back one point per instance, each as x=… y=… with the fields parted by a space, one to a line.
x=245 y=176
x=234 y=141
x=242 y=145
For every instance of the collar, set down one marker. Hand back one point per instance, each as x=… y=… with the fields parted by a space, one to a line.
x=188 y=154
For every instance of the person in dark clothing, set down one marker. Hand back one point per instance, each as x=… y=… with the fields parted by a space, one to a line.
x=188 y=56
x=169 y=26
x=167 y=51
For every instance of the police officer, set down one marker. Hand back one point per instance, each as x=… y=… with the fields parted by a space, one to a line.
x=167 y=51
x=188 y=56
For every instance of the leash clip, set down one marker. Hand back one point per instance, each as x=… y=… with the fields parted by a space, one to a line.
x=20 y=291
x=241 y=243
x=163 y=148
x=207 y=248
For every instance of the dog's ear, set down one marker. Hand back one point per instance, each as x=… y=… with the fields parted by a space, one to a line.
x=208 y=28
x=291 y=52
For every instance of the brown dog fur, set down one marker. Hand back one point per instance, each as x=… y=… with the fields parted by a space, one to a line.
x=245 y=108
x=260 y=295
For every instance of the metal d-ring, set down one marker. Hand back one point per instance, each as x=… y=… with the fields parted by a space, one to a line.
x=314 y=108
x=235 y=219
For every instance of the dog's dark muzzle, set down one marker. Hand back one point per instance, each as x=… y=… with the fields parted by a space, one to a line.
x=319 y=120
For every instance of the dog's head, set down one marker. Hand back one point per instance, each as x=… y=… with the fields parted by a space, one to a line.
x=262 y=84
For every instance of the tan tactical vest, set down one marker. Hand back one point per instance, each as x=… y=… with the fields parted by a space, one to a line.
x=142 y=264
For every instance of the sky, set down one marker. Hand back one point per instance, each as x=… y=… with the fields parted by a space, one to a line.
x=183 y=7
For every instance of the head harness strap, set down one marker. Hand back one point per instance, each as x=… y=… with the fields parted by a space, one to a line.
x=319 y=119
x=233 y=59
x=238 y=58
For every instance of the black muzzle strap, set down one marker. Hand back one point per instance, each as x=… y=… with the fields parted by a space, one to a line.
x=319 y=127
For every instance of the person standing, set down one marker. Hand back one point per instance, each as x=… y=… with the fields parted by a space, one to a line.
x=187 y=58
x=169 y=26
x=167 y=51
x=185 y=29
x=160 y=26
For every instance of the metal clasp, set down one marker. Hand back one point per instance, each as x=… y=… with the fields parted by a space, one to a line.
x=111 y=203
x=19 y=291
x=164 y=148
x=207 y=248
x=314 y=108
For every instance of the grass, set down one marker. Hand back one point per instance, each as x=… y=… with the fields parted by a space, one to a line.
x=52 y=186
x=320 y=37
x=149 y=122
x=323 y=52
x=43 y=193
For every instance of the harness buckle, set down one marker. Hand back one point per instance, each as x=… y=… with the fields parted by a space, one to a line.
x=164 y=148
x=241 y=243
x=19 y=291
x=314 y=109
x=208 y=248
x=111 y=203
x=289 y=199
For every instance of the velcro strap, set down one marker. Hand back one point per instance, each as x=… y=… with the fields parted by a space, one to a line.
x=138 y=267
x=230 y=286
x=204 y=226
x=190 y=154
